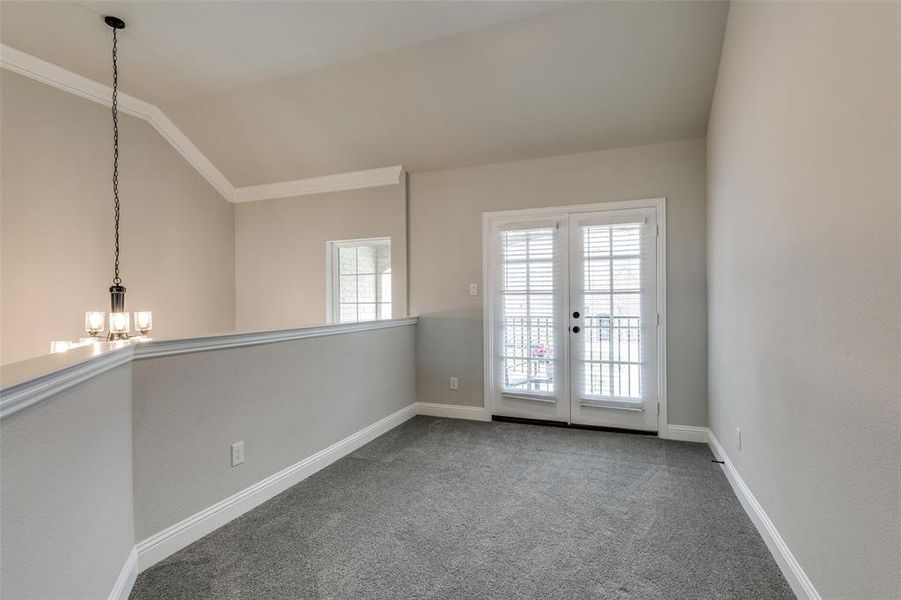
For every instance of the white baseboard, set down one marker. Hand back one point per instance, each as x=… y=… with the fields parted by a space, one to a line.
x=791 y=569
x=687 y=433
x=126 y=579
x=453 y=411
x=176 y=537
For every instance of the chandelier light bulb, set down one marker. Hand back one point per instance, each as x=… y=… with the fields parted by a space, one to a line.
x=143 y=321
x=94 y=322
x=118 y=324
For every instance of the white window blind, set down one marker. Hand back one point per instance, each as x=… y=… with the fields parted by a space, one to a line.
x=616 y=265
x=360 y=282
x=528 y=301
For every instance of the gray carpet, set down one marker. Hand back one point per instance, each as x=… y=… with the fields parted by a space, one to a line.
x=440 y=508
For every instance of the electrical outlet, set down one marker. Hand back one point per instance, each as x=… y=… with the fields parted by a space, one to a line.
x=237 y=453
x=454 y=383
x=473 y=289
x=738 y=437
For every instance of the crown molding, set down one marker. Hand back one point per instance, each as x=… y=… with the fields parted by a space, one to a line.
x=73 y=83
x=50 y=74
x=352 y=180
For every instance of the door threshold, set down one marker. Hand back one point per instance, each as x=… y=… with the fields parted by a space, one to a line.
x=566 y=425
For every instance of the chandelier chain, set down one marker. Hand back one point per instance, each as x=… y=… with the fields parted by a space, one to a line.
x=116 y=279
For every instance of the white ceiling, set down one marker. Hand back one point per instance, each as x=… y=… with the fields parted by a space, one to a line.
x=177 y=49
x=274 y=91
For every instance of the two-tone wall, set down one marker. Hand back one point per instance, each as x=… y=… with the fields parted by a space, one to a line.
x=133 y=462
x=204 y=265
x=446 y=256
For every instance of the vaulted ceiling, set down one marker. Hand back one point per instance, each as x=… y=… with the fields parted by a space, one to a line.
x=274 y=91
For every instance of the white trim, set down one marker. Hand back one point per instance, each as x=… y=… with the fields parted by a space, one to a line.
x=50 y=74
x=73 y=83
x=487 y=314
x=662 y=413
x=174 y=538
x=126 y=579
x=791 y=568
x=330 y=278
x=489 y=219
x=238 y=340
x=554 y=211
x=16 y=397
x=332 y=299
x=191 y=153
x=453 y=411
x=687 y=433
x=352 y=180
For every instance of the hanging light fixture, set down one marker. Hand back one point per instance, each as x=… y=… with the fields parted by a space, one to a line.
x=119 y=319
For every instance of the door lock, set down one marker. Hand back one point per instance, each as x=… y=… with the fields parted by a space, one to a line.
x=576 y=315
x=576 y=329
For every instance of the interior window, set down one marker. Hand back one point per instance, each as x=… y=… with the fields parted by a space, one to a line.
x=359 y=285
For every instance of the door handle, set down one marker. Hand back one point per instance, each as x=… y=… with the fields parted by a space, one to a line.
x=576 y=329
x=576 y=315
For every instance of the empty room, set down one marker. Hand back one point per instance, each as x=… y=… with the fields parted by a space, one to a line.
x=450 y=299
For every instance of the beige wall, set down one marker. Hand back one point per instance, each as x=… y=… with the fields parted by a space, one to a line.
x=280 y=265
x=446 y=256
x=56 y=216
x=804 y=266
x=66 y=498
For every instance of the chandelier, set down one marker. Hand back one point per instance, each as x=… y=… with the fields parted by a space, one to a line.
x=119 y=320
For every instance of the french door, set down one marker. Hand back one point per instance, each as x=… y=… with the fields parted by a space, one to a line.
x=572 y=314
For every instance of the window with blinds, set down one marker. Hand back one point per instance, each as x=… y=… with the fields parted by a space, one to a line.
x=527 y=303
x=612 y=349
x=360 y=282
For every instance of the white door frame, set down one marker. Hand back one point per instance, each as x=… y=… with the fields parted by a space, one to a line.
x=490 y=219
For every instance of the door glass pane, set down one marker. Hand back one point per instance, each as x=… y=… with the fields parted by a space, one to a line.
x=611 y=347
x=527 y=310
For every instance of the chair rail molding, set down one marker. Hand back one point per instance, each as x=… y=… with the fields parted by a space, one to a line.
x=20 y=395
x=73 y=83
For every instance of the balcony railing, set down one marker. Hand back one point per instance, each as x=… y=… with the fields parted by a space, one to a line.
x=611 y=354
